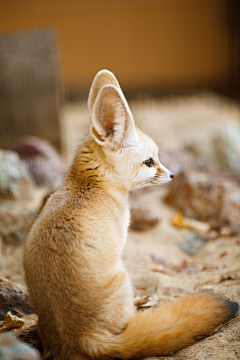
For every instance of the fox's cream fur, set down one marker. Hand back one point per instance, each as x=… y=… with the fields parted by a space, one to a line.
x=76 y=278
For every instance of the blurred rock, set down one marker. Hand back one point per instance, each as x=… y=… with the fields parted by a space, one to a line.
x=226 y=231
x=206 y=196
x=13 y=297
x=15 y=221
x=179 y=160
x=43 y=161
x=193 y=243
x=13 y=349
x=15 y=180
x=158 y=259
x=219 y=145
x=212 y=235
x=142 y=216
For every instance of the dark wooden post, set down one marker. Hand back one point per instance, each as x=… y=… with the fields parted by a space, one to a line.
x=30 y=87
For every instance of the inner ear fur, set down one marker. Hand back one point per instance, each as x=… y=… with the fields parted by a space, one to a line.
x=111 y=117
x=103 y=77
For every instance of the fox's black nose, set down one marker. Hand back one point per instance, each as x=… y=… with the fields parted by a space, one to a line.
x=172 y=175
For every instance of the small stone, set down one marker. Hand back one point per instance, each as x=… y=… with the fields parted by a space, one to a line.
x=15 y=179
x=15 y=221
x=43 y=161
x=179 y=160
x=226 y=231
x=212 y=235
x=12 y=297
x=219 y=145
x=158 y=259
x=208 y=196
x=13 y=349
x=193 y=243
x=142 y=216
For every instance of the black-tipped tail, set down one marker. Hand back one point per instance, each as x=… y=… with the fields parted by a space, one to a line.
x=231 y=308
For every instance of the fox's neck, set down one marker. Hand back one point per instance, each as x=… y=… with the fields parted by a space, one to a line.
x=90 y=173
x=90 y=166
x=88 y=158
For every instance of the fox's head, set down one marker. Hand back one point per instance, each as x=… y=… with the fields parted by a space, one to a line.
x=132 y=155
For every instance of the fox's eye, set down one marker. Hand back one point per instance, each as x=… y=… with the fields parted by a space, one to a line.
x=149 y=162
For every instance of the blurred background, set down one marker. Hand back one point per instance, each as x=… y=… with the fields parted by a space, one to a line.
x=155 y=46
x=51 y=50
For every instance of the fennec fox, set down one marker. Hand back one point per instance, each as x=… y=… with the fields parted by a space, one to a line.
x=76 y=278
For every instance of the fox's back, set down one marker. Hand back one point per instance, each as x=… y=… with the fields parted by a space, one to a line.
x=70 y=276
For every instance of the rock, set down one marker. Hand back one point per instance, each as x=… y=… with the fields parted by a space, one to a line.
x=15 y=221
x=43 y=161
x=179 y=160
x=15 y=180
x=12 y=297
x=212 y=235
x=219 y=145
x=226 y=231
x=142 y=216
x=193 y=243
x=158 y=259
x=13 y=349
x=206 y=196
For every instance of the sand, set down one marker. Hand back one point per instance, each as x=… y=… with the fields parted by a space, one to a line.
x=168 y=121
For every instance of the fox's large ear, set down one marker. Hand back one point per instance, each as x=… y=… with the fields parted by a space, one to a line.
x=103 y=77
x=111 y=118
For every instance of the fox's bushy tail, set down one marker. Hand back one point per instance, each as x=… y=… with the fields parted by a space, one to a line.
x=169 y=327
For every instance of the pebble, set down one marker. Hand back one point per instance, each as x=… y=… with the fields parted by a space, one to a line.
x=15 y=180
x=12 y=297
x=142 y=216
x=13 y=349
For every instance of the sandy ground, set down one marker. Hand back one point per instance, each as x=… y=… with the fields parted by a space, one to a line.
x=217 y=265
x=220 y=260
